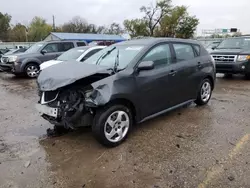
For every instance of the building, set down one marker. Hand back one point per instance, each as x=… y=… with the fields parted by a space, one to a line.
x=87 y=37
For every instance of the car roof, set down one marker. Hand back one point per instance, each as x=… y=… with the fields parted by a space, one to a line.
x=152 y=41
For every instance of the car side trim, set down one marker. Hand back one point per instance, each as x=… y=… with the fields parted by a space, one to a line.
x=167 y=110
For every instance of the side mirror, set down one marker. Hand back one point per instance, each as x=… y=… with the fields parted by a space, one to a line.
x=146 y=65
x=43 y=52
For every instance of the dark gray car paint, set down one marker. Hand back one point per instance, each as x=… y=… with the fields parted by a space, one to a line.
x=149 y=91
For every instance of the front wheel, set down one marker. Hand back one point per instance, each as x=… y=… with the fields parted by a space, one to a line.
x=32 y=70
x=204 y=93
x=112 y=125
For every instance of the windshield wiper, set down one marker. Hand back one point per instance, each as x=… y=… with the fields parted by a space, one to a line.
x=104 y=55
x=230 y=48
x=116 y=61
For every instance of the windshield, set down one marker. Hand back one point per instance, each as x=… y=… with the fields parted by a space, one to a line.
x=235 y=43
x=212 y=45
x=72 y=54
x=10 y=52
x=35 y=47
x=126 y=54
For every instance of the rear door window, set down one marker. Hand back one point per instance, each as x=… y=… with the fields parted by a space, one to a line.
x=65 y=46
x=197 y=49
x=183 y=52
x=81 y=44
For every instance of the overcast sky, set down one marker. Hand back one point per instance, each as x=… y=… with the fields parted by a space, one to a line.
x=212 y=13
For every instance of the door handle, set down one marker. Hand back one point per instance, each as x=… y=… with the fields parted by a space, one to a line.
x=172 y=73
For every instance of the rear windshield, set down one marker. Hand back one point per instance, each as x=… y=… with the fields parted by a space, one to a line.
x=72 y=54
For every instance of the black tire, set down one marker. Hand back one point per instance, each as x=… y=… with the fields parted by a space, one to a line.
x=228 y=75
x=34 y=67
x=100 y=119
x=247 y=76
x=200 y=101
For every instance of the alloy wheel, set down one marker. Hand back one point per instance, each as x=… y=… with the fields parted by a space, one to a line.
x=116 y=126
x=206 y=91
x=32 y=71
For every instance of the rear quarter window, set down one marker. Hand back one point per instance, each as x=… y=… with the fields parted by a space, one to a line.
x=183 y=51
x=197 y=49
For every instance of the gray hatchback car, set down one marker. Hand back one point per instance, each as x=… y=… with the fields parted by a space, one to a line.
x=28 y=63
x=126 y=83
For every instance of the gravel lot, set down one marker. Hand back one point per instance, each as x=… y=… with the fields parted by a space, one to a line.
x=191 y=147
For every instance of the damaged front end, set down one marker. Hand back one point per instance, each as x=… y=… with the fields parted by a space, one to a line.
x=71 y=99
x=66 y=108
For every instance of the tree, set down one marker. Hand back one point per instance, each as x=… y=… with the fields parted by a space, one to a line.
x=136 y=27
x=177 y=24
x=4 y=26
x=154 y=14
x=187 y=27
x=114 y=28
x=169 y=23
x=18 y=33
x=78 y=25
x=38 y=29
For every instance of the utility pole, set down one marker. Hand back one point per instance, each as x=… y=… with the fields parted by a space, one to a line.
x=26 y=34
x=54 y=26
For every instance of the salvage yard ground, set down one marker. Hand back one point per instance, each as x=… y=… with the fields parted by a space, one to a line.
x=191 y=147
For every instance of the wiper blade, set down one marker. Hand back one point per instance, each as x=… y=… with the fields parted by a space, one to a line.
x=104 y=55
x=230 y=48
x=116 y=61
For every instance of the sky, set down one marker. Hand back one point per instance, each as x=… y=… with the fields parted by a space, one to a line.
x=211 y=13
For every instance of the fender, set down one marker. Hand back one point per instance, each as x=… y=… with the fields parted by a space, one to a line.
x=29 y=60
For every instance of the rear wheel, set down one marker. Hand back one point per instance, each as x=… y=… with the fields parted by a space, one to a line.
x=32 y=70
x=228 y=75
x=247 y=75
x=204 y=93
x=112 y=124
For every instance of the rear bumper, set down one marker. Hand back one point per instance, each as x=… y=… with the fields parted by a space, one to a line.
x=234 y=68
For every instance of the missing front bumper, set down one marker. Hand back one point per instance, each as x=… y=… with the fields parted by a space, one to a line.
x=43 y=109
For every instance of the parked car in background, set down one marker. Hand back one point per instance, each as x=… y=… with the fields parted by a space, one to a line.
x=232 y=56
x=101 y=43
x=3 y=51
x=21 y=46
x=126 y=83
x=79 y=54
x=15 y=51
x=28 y=63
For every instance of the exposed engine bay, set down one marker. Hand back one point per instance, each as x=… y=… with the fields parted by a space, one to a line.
x=71 y=106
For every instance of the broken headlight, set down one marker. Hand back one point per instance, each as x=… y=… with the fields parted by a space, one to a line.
x=88 y=94
x=88 y=98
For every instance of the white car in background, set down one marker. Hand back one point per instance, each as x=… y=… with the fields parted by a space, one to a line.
x=79 y=54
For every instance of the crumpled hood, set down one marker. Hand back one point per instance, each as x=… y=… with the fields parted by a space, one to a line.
x=66 y=73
